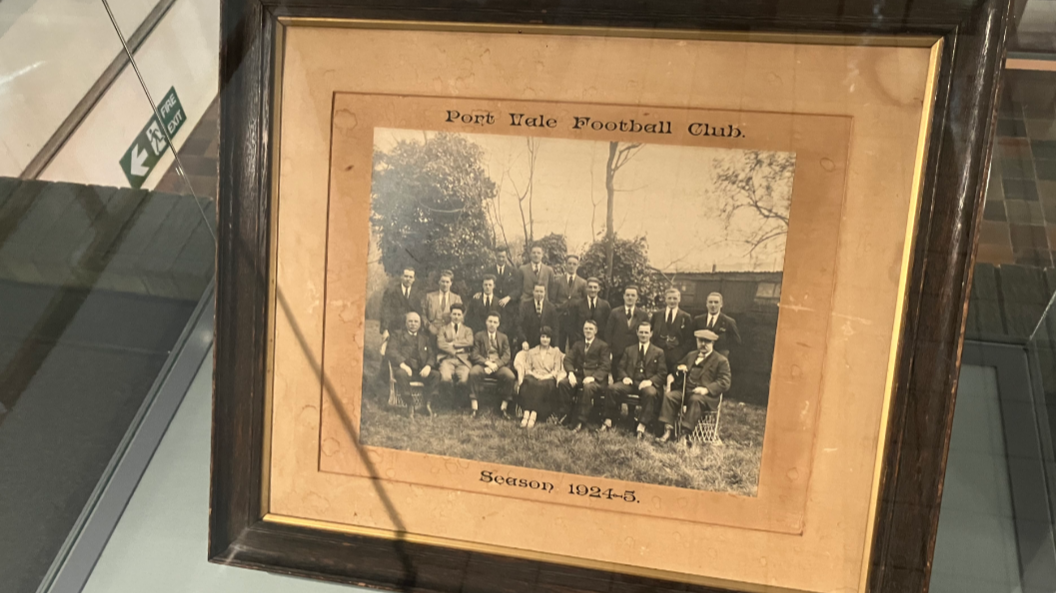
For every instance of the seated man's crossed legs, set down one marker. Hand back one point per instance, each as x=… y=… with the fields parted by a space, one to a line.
x=453 y=372
x=502 y=375
x=648 y=402
x=590 y=394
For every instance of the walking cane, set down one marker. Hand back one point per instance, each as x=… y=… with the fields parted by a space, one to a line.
x=682 y=405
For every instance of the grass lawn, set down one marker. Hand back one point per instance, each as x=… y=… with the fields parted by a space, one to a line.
x=732 y=466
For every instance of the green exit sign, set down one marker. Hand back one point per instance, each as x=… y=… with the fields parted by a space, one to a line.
x=146 y=150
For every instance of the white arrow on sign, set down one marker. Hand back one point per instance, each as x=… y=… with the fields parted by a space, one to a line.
x=138 y=158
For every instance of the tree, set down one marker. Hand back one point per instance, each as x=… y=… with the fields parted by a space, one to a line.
x=629 y=264
x=528 y=195
x=429 y=203
x=757 y=189
x=618 y=157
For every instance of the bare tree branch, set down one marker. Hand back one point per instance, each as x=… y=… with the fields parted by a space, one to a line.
x=533 y=151
x=618 y=157
x=757 y=188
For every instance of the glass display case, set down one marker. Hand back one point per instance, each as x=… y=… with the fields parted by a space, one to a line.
x=110 y=187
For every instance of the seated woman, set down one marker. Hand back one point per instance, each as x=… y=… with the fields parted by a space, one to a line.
x=543 y=369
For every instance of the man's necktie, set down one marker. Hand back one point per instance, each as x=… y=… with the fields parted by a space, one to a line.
x=493 y=345
x=670 y=317
x=630 y=318
x=593 y=305
x=539 y=309
x=711 y=321
x=536 y=269
x=443 y=302
x=487 y=302
x=456 y=331
x=570 y=282
x=641 y=352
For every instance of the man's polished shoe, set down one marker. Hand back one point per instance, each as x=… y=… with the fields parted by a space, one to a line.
x=473 y=414
x=641 y=435
x=668 y=434
x=605 y=428
x=578 y=427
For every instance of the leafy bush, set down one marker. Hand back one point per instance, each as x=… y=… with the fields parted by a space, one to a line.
x=429 y=207
x=630 y=265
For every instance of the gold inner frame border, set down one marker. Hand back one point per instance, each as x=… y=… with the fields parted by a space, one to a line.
x=936 y=51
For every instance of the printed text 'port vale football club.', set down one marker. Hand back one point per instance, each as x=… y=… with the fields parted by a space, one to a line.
x=589 y=123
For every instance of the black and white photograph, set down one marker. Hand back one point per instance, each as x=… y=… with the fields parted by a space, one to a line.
x=596 y=308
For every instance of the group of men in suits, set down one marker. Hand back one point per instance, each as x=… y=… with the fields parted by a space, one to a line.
x=439 y=338
x=640 y=353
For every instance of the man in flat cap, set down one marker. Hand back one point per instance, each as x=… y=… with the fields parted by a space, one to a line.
x=706 y=374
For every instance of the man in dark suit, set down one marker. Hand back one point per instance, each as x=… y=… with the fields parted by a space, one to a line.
x=535 y=314
x=621 y=330
x=491 y=358
x=673 y=329
x=505 y=277
x=567 y=290
x=397 y=302
x=532 y=273
x=587 y=364
x=707 y=376
x=642 y=371
x=591 y=307
x=506 y=290
x=484 y=303
x=410 y=352
x=720 y=323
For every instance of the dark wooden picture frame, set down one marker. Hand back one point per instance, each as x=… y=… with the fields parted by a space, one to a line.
x=921 y=410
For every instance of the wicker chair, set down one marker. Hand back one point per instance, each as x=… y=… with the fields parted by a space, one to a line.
x=400 y=400
x=707 y=429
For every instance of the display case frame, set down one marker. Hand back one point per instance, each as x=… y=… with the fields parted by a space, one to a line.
x=921 y=406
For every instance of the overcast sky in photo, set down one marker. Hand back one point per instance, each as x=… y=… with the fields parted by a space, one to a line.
x=665 y=193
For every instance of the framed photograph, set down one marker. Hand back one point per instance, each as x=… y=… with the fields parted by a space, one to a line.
x=514 y=296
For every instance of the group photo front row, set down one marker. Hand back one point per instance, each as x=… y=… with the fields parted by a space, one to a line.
x=548 y=344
